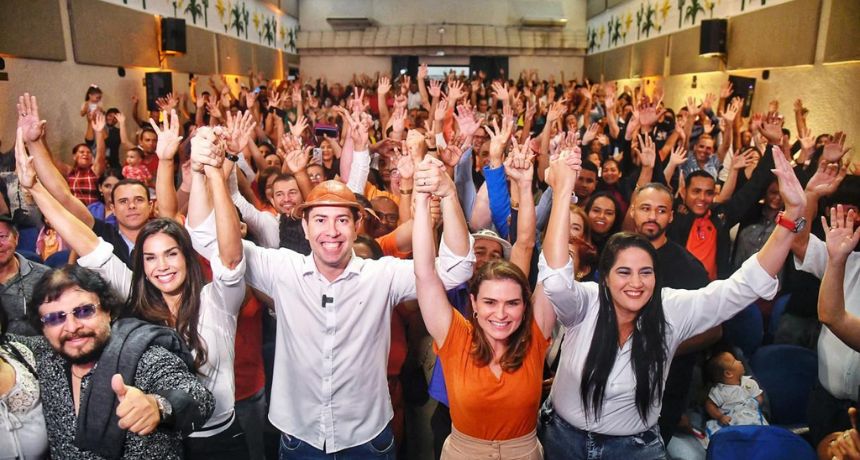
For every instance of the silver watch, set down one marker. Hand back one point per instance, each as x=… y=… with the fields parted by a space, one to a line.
x=164 y=407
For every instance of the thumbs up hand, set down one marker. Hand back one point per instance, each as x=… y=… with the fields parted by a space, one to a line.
x=138 y=412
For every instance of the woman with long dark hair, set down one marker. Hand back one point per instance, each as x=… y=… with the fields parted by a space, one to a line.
x=166 y=287
x=623 y=330
x=604 y=217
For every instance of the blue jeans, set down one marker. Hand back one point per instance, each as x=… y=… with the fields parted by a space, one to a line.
x=380 y=447
x=251 y=413
x=562 y=441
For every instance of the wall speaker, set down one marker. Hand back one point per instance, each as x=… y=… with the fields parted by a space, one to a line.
x=173 y=36
x=158 y=84
x=744 y=88
x=712 y=37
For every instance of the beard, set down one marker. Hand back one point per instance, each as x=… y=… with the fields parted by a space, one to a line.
x=652 y=234
x=86 y=355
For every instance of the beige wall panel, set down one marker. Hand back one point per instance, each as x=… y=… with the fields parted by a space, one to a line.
x=200 y=58
x=594 y=66
x=649 y=57
x=134 y=39
x=266 y=61
x=613 y=3
x=17 y=29
x=783 y=35
x=616 y=63
x=843 y=33
x=684 y=54
x=234 y=56
x=340 y=68
x=572 y=66
x=594 y=7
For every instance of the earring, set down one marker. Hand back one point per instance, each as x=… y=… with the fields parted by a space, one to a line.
x=475 y=314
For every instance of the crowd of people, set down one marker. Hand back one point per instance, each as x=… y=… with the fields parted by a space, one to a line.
x=253 y=273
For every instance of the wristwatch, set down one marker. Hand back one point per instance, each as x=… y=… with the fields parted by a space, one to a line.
x=232 y=157
x=164 y=407
x=794 y=226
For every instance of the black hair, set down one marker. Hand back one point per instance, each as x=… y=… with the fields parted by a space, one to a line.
x=587 y=164
x=93 y=89
x=652 y=186
x=619 y=217
x=112 y=110
x=848 y=192
x=375 y=249
x=649 y=352
x=129 y=182
x=55 y=282
x=700 y=173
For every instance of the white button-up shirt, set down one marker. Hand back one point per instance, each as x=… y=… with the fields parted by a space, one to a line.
x=329 y=387
x=838 y=364
x=687 y=313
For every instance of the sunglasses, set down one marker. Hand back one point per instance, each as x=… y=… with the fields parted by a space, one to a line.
x=59 y=317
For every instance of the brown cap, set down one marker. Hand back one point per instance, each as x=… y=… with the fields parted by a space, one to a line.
x=328 y=193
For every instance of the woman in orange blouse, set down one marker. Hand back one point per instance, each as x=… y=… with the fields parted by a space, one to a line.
x=493 y=361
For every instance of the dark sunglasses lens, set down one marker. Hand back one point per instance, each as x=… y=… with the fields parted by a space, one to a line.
x=84 y=311
x=57 y=318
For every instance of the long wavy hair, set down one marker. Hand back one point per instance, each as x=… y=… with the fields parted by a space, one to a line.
x=649 y=350
x=519 y=340
x=147 y=302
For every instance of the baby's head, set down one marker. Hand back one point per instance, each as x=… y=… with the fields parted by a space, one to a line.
x=134 y=157
x=725 y=368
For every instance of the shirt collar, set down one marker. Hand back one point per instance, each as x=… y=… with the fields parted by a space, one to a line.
x=354 y=266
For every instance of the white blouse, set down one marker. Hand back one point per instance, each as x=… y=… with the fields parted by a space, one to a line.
x=220 y=302
x=22 y=424
x=687 y=313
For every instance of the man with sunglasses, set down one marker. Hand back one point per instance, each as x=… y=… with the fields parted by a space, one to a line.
x=121 y=390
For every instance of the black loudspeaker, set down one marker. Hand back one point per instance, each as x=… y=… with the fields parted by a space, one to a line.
x=712 y=39
x=743 y=87
x=173 y=36
x=158 y=84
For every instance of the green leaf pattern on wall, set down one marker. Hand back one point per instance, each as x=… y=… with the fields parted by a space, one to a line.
x=653 y=18
x=247 y=20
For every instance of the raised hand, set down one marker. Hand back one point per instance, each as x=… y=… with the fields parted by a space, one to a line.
x=710 y=98
x=692 y=106
x=647 y=151
x=498 y=141
x=168 y=135
x=398 y=120
x=435 y=89
x=564 y=168
x=807 y=140
x=405 y=166
x=789 y=186
x=726 y=89
x=732 y=110
x=451 y=154
x=678 y=155
x=772 y=128
x=356 y=104
x=841 y=236
x=296 y=95
x=297 y=128
x=276 y=100
x=23 y=162
x=835 y=149
x=556 y=110
x=455 y=91
x=431 y=178
x=648 y=112
x=590 y=133
x=203 y=150
x=214 y=109
x=826 y=179
x=519 y=166
x=466 y=120
x=28 y=118
x=297 y=159
x=384 y=85
x=98 y=121
x=250 y=99
x=422 y=71
x=745 y=160
x=500 y=92
x=239 y=130
x=441 y=109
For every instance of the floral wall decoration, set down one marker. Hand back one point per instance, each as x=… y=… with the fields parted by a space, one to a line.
x=248 y=20
x=635 y=21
